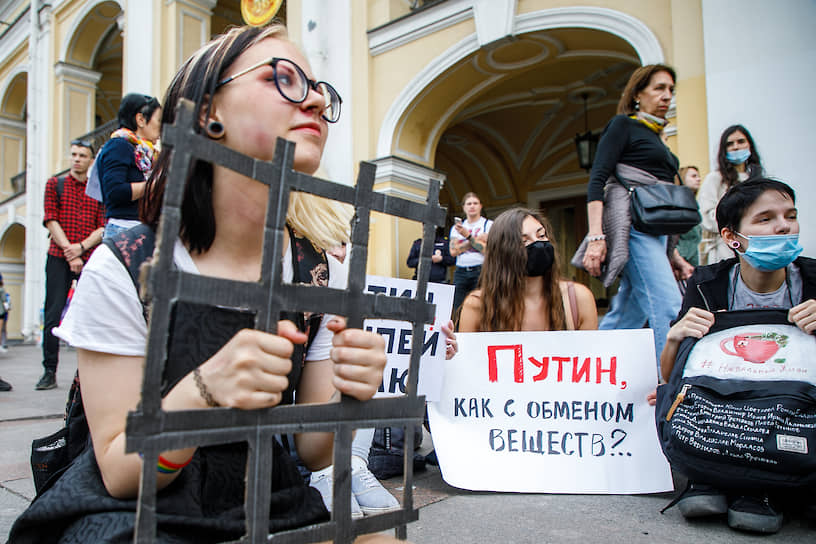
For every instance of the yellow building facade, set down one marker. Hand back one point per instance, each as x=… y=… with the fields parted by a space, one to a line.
x=484 y=95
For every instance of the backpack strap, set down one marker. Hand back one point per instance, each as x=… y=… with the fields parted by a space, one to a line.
x=60 y=187
x=133 y=248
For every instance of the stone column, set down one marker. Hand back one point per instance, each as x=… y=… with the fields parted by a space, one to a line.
x=187 y=24
x=75 y=89
x=391 y=237
x=38 y=162
x=325 y=33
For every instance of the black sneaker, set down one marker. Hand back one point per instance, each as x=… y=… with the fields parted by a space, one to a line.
x=755 y=514
x=48 y=381
x=4 y=385
x=700 y=500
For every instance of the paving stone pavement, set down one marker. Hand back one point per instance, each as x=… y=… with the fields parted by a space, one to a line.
x=446 y=514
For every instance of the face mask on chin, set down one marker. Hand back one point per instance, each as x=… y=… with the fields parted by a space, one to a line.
x=540 y=258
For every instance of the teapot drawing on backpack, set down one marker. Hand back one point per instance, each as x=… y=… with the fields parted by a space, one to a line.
x=755 y=347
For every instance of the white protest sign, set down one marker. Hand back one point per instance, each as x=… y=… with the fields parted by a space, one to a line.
x=398 y=338
x=550 y=412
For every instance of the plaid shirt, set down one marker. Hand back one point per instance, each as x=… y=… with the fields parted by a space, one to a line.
x=77 y=213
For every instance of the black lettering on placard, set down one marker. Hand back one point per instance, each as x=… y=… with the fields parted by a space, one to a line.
x=557 y=442
x=476 y=407
x=588 y=410
x=403 y=340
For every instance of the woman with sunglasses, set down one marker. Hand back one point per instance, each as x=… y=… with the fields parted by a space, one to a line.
x=124 y=163
x=250 y=86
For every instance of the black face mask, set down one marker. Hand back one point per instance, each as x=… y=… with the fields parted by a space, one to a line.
x=540 y=258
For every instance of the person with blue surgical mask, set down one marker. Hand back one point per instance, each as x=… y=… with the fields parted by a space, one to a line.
x=737 y=160
x=758 y=223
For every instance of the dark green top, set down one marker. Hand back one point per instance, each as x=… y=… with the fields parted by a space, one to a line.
x=689 y=244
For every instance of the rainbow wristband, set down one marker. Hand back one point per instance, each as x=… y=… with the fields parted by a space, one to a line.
x=168 y=467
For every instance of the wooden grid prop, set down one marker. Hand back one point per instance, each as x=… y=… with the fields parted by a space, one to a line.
x=151 y=430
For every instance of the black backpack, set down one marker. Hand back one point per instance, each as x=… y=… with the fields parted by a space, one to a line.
x=739 y=411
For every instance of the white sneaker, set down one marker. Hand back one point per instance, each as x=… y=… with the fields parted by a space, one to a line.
x=323 y=481
x=372 y=497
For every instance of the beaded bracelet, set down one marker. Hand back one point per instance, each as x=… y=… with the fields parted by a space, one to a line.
x=202 y=389
x=595 y=237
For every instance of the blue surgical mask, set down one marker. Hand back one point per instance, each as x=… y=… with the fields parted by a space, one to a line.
x=772 y=252
x=738 y=156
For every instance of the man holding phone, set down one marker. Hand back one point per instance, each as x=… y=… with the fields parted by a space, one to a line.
x=468 y=239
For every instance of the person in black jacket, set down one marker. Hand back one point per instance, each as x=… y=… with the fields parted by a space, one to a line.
x=126 y=160
x=758 y=221
x=441 y=258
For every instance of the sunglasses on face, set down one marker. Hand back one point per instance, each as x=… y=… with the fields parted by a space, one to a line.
x=294 y=86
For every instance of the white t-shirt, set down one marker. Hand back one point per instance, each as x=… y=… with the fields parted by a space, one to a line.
x=471 y=257
x=105 y=313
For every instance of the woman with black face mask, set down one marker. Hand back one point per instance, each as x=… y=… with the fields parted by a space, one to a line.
x=520 y=288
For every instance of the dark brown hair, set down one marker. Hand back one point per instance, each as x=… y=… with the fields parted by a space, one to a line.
x=504 y=274
x=638 y=81
x=753 y=165
x=196 y=80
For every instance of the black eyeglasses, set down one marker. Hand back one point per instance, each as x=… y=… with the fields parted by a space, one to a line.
x=294 y=86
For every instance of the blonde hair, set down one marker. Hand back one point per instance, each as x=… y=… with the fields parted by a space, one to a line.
x=325 y=222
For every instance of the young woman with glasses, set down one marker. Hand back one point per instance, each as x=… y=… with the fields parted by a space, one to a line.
x=250 y=86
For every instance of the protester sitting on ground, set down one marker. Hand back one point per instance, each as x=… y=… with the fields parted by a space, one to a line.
x=251 y=87
x=737 y=160
x=758 y=221
x=441 y=258
x=521 y=288
x=124 y=163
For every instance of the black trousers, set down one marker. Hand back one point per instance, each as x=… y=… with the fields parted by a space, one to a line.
x=58 y=277
x=465 y=280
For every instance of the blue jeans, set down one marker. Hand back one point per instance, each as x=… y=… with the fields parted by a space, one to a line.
x=465 y=280
x=647 y=292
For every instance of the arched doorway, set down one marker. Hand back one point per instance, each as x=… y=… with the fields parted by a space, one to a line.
x=501 y=118
x=89 y=74
x=12 y=267
x=13 y=136
x=513 y=142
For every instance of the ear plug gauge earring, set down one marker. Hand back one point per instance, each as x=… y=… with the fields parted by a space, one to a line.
x=734 y=244
x=214 y=130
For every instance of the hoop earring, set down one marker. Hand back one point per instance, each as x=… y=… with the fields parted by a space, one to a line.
x=734 y=244
x=214 y=130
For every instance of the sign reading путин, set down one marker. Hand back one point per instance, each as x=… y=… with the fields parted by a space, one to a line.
x=557 y=412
